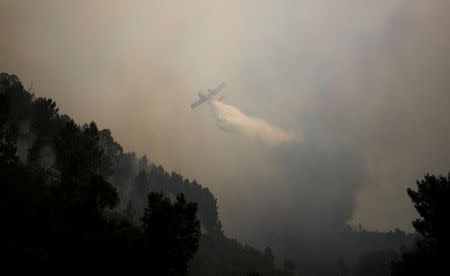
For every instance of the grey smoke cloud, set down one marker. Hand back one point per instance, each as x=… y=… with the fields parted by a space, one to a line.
x=365 y=83
x=230 y=118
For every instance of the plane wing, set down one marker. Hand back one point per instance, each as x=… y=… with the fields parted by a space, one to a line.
x=198 y=102
x=216 y=90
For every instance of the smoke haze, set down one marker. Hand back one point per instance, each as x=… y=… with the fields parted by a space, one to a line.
x=364 y=85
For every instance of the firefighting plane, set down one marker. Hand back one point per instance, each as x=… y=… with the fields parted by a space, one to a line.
x=211 y=95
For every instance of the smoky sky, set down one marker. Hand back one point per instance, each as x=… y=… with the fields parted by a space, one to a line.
x=365 y=83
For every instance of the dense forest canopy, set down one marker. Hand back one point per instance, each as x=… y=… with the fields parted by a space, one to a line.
x=71 y=194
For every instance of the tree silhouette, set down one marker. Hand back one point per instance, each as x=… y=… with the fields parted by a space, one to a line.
x=61 y=185
x=7 y=137
x=432 y=202
x=171 y=232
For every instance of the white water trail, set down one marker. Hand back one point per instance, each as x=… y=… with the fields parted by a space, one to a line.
x=231 y=119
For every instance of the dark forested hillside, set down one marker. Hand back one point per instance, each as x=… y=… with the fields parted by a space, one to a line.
x=135 y=177
x=72 y=196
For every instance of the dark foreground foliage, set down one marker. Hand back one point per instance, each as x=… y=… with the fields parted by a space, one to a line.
x=53 y=202
x=432 y=251
x=71 y=197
